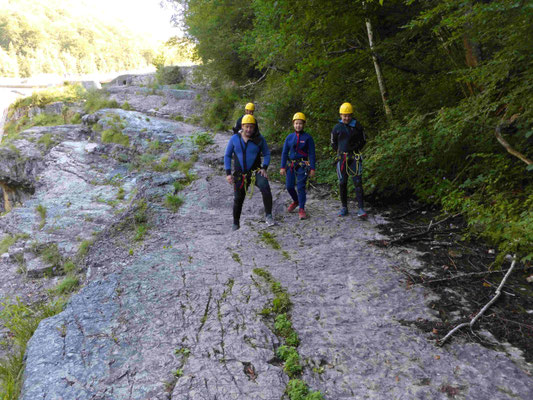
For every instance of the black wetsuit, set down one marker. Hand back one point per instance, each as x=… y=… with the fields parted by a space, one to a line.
x=348 y=140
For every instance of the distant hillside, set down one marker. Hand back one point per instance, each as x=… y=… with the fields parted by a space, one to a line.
x=54 y=37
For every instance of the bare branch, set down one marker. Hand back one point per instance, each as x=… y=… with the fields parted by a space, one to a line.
x=348 y=50
x=507 y=146
x=480 y=313
x=257 y=81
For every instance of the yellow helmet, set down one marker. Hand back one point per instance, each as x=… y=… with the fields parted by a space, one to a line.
x=299 y=115
x=250 y=106
x=346 y=108
x=248 y=119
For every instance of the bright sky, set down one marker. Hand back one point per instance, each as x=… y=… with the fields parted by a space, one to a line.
x=146 y=16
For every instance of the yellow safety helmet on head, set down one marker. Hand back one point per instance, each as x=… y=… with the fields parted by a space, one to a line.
x=248 y=119
x=250 y=107
x=299 y=115
x=346 y=108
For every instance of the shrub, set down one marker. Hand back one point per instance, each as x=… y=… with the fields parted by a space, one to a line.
x=96 y=100
x=169 y=75
x=67 y=285
x=173 y=202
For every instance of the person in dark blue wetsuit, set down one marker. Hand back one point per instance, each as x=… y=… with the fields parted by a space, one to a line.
x=348 y=139
x=246 y=149
x=298 y=162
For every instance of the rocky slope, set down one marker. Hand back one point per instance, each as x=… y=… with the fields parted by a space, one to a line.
x=176 y=306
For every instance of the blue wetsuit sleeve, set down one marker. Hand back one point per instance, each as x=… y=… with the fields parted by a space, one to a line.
x=227 y=157
x=266 y=154
x=285 y=153
x=312 y=156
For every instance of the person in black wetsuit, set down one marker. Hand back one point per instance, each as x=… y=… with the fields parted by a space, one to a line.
x=245 y=149
x=348 y=139
x=249 y=109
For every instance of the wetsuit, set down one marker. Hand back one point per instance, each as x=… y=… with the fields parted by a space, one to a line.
x=348 y=141
x=246 y=159
x=298 y=158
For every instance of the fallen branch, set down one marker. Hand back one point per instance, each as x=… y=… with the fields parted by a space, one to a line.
x=420 y=234
x=459 y=276
x=479 y=314
x=410 y=212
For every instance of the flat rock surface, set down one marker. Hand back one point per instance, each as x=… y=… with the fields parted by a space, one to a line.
x=176 y=316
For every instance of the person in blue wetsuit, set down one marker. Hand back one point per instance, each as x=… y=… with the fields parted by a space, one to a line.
x=246 y=148
x=298 y=163
x=348 y=139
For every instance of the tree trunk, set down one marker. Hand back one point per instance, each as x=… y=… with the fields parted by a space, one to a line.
x=379 y=75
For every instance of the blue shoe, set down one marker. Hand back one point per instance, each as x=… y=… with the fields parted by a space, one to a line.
x=235 y=227
x=362 y=213
x=343 y=212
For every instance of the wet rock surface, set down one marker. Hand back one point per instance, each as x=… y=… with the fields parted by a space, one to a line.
x=176 y=315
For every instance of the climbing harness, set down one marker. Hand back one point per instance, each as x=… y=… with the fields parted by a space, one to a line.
x=345 y=164
x=244 y=177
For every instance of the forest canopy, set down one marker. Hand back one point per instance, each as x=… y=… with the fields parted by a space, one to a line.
x=450 y=122
x=47 y=37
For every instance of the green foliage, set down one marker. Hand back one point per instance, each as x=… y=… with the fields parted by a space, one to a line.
x=292 y=360
x=6 y=243
x=114 y=133
x=47 y=139
x=202 y=140
x=48 y=37
x=298 y=390
x=112 y=136
x=21 y=321
x=170 y=75
x=67 y=285
x=69 y=267
x=219 y=112
x=96 y=100
x=173 y=202
x=41 y=210
x=121 y=193
x=51 y=255
x=270 y=239
x=84 y=249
